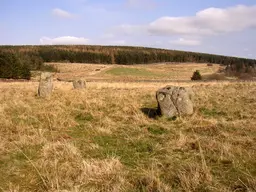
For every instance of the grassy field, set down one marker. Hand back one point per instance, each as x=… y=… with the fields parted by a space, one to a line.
x=182 y=71
x=108 y=137
x=125 y=71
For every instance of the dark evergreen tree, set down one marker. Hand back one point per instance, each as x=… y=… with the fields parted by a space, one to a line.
x=12 y=66
x=196 y=76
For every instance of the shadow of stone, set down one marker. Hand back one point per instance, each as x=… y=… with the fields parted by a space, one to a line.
x=150 y=112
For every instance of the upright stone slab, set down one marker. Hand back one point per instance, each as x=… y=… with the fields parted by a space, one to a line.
x=173 y=101
x=46 y=84
x=79 y=84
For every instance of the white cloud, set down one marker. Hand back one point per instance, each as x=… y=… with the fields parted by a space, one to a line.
x=211 y=21
x=177 y=26
x=65 y=40
x=63 y=14
x=186 y=42
x=207 y=22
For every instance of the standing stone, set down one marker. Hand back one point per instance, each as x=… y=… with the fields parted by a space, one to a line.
x=174 y=101
x=79 y=84
x=46 y=85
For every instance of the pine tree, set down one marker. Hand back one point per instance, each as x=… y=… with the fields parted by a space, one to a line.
x=196 y=76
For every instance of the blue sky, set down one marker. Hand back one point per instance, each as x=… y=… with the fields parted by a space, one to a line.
x=224 y=27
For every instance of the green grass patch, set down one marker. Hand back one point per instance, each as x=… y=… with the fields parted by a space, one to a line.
x=79 y=132
x=121 y=71
x=156 y=129
x=131 y=151
x=212 y=112
x=82 y=118
x=16 y=168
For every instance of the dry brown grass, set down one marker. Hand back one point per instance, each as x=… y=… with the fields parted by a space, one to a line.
x=182 y=71
x=78 y=70
x=99 y=139
x=63 y=168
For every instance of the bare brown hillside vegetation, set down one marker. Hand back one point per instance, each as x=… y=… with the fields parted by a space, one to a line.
x=108 y=137
x=182 y=71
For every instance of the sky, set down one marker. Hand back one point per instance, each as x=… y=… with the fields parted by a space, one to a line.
x=225 y=27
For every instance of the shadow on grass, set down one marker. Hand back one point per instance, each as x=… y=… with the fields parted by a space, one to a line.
x=150 y=112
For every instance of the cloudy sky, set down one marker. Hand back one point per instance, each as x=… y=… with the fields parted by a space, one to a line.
x=225 y=27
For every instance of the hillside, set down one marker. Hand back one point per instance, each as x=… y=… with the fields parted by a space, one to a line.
x=33 y=57
x=108 y=136
x=122 y=73
x=120 y=55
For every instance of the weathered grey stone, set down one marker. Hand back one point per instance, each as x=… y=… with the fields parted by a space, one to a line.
x=174 y=101
x=46 y=84
x=79 y=84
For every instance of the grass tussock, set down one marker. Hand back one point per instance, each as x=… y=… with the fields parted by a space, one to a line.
x=63 y=168
x=103 y=139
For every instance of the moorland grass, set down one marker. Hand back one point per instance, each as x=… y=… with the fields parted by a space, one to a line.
x=100 y=139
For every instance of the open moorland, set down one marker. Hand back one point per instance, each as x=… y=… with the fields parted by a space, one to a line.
x=108 y=137
x=164 y=71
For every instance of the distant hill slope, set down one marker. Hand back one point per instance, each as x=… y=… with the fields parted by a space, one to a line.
x=123 y=55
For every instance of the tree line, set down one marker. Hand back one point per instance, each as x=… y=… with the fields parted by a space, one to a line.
x=12 y=66
x=35 y=56
x=17 y=65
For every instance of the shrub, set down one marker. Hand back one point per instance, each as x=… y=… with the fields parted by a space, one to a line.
x=12 y=67
x=34 y=61
x=196 y=76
